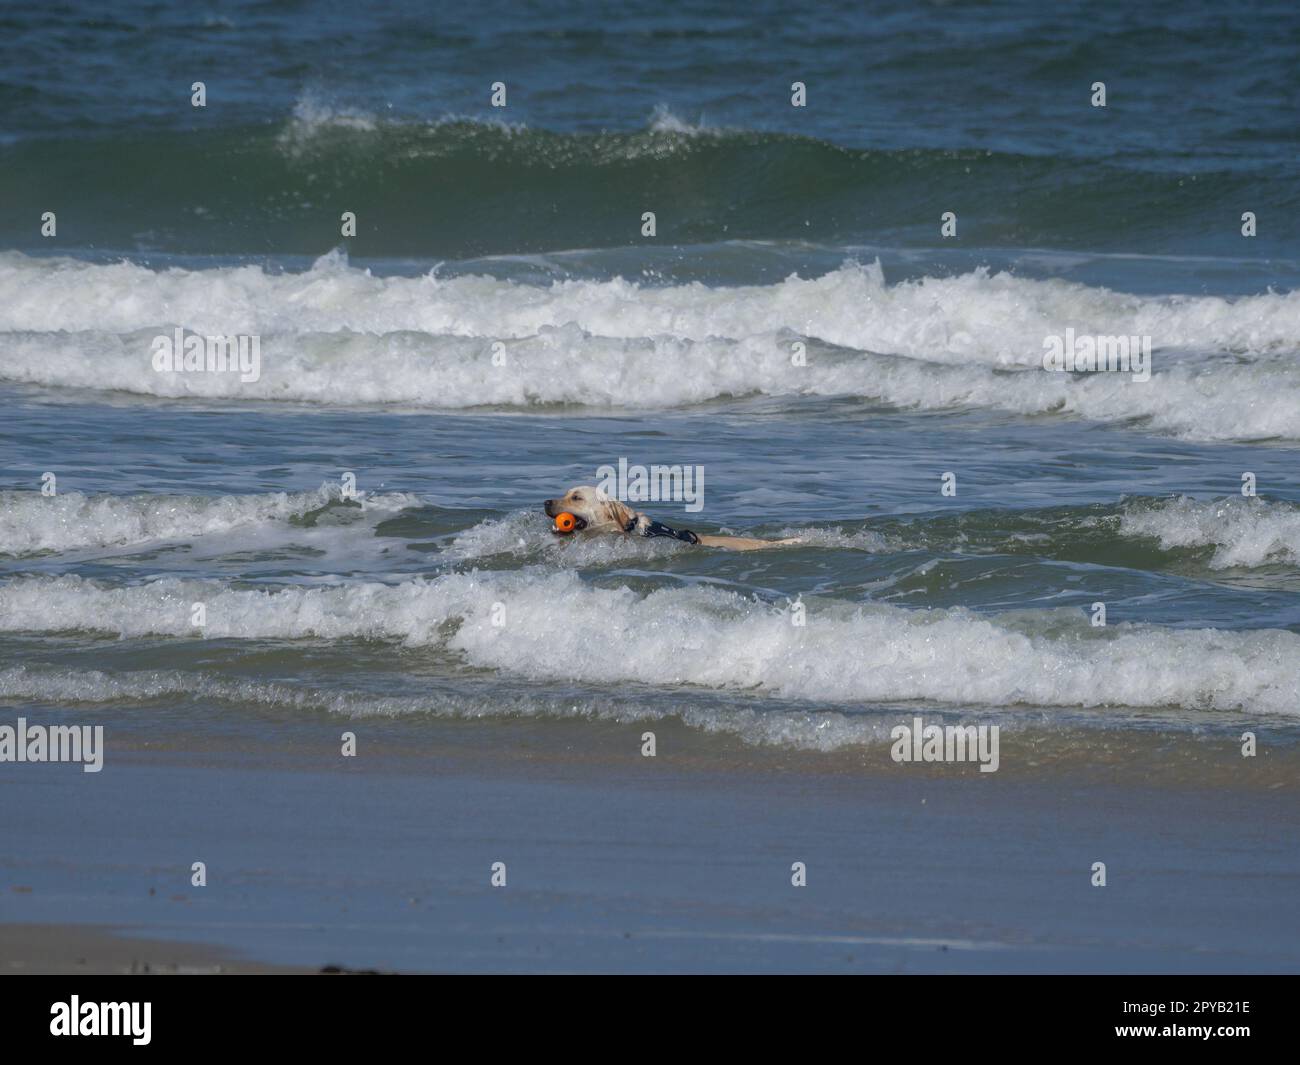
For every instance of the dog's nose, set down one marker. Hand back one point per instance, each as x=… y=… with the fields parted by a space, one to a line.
x=547 y=504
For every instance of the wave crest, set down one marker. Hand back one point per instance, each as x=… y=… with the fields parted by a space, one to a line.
x=557 y=628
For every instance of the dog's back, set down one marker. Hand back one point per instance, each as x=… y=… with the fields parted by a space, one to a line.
x=743 y=543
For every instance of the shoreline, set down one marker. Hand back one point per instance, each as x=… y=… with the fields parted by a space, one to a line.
x=76 y=950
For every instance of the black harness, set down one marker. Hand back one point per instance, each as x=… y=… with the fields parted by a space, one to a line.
x=658 y=528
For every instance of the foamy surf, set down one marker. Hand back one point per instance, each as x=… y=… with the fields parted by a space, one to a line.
x=993 y=319
x=551 y=626
x=1244 y=533
x=335 y=336
x=566 y=367
x=31 y=522
x=525 y=535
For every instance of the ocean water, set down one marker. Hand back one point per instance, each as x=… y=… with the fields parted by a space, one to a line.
x=498 y=328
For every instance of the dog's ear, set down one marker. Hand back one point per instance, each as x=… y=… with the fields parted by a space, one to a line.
x=619 y=513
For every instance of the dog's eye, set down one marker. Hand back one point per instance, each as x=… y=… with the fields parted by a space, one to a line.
x=577 y=499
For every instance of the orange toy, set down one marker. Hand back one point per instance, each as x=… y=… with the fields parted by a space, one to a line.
x=565 y=523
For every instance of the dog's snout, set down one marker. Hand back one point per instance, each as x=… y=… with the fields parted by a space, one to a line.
x=548 y=505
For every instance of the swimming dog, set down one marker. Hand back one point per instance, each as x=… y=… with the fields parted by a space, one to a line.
x=597 y=513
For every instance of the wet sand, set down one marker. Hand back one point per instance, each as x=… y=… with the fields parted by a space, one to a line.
x=71 y=950
x=683 y=862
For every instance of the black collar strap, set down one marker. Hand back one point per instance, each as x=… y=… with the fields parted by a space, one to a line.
x=656 y=528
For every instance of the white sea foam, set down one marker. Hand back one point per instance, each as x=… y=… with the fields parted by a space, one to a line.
x=338 y=336
x=557 y=628
x=1223 y=400
x=31 y=522
x=1243 y=532
x=664 y=120
x=315 y=118
x=311 y=114
x=995 y=319
x=525 y=535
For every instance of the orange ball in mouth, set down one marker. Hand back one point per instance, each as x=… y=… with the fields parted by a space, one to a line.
x=565 y=523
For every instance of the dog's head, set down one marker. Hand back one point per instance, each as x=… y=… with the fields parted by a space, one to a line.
x=595 y=511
